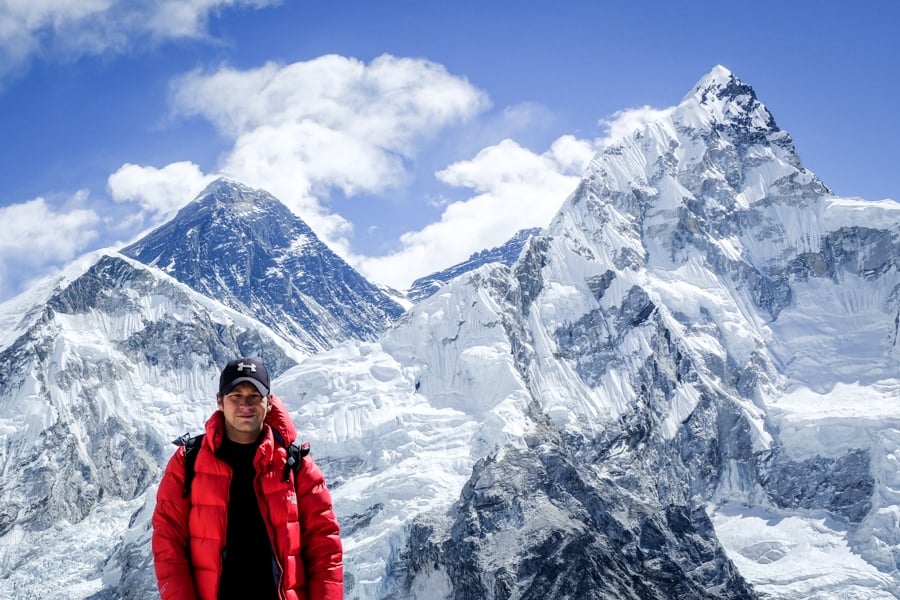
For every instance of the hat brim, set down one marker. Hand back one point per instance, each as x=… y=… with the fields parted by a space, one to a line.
x=259 y=386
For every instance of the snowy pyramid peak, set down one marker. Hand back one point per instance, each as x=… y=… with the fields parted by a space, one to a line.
x=224 y=185
x=719 y=149
x=229 y=192
x=723 y=99
x=718 y=78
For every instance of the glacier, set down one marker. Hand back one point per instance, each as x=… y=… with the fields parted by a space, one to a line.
x=686 y=386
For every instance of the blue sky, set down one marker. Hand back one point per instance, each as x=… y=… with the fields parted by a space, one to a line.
x=407 y=134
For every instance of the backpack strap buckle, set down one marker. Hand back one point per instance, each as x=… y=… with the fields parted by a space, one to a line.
x=191 y=450
x=295 y=456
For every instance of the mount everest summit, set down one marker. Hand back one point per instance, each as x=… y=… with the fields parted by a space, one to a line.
x=685 y=387
x=247 y=250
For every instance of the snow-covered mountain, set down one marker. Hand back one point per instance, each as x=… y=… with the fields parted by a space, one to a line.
x=506 y=254
x=685 y=387
x=246 y=249
x=100 y=368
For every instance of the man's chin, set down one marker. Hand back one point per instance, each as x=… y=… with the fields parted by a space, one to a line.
x=246 y=426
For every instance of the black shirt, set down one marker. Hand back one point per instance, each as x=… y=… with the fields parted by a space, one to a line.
x=248 y=565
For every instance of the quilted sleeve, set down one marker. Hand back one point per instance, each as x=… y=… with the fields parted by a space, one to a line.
x=321 y=547
x=171 y=535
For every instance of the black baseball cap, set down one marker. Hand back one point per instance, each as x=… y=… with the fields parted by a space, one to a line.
x=244 y=369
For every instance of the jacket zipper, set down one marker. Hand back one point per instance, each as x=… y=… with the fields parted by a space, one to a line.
x=264 y=508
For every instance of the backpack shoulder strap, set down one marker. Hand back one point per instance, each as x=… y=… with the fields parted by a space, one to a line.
x=191 y=450
x=295 y=454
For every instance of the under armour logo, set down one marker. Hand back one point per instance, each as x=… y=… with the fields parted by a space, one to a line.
x=241 y=366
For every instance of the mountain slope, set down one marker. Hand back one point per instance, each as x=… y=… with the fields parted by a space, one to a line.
x=247 y=250
x=703 y=238
x=700 y=349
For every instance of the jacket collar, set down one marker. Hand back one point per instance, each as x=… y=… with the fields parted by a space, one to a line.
x=278 y=419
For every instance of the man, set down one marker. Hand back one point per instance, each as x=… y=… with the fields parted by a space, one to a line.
x=251 y=527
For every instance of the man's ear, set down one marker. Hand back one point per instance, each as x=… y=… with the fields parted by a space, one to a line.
x=219 y=401
x=269 y=407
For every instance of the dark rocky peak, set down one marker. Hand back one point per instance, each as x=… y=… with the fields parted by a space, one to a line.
x=245 y=248
x=732 y=104
x=721 y=84
x=235 y=199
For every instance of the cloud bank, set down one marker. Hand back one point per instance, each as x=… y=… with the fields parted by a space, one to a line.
x=42 y=236
x=515 y=189
x=69 y=29
x=305 y=130
x=310 y=131
x=159 y=192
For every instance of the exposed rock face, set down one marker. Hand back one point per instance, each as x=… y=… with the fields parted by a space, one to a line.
x=539 y=523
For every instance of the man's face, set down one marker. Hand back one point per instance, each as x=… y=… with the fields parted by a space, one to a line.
x=245 y=410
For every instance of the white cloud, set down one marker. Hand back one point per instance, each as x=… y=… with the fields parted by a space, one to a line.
x=390 y=102
x=516 y=189
x=159 y=192
x=42 y=233
x=571 y=154
x=188 y=18
x=303 y=130
x=43 y=237
x=72 y=28
x=306 y=129
x=625 y=122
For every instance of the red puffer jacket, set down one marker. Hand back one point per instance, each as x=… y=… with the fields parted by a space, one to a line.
x=189 y=534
